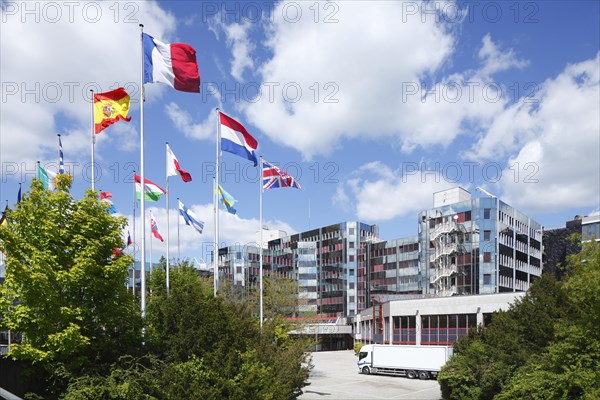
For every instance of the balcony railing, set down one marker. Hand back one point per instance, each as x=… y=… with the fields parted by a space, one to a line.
x=443 y=272
x=446 y=227
x=446 y=250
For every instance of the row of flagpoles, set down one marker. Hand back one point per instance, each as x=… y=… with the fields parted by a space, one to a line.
x=176 y=66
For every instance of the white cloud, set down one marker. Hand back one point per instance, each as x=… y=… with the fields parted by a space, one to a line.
x=232 y=230
x=379 y=193
x=52 y=56
x=238 y=40
x=329 y=82
x=351 y=76
x=184 y=122
x=496 y=60
x=558 y=157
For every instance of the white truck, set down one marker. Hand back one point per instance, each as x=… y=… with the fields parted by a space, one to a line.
x=421 y=362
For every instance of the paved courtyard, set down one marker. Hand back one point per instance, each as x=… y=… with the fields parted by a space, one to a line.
x=335 y=377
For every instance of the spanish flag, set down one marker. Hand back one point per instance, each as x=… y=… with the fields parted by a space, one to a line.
x=110 y=107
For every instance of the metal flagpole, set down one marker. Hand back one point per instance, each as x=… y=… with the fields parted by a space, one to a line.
x=216 y=208
x=93 y=143
x=178 y=220
x=134 y=243
x=142 y=178
x=168 y=227
x=260 y=245
x=151 y=249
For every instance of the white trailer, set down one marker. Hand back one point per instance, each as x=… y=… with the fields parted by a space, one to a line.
x=423 y=362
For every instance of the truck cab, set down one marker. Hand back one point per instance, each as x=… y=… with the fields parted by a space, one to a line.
x=364 y=359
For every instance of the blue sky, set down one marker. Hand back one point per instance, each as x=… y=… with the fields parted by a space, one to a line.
x=372 y=105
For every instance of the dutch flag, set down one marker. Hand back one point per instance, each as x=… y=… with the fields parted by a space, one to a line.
x=236 y=139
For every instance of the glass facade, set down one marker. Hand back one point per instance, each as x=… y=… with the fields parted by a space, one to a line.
x=478 y=246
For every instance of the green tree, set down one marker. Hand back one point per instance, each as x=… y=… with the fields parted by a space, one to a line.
x=65 y=285
x=216 y=347
x=570 y=366
x=546 y=346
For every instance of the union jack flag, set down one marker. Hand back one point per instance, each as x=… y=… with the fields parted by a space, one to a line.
x=275 y=177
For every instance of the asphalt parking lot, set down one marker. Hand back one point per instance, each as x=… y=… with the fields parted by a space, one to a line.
x=335 y=377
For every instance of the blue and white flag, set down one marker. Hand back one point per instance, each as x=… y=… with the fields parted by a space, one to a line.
x=190 y=218
x=61 y=161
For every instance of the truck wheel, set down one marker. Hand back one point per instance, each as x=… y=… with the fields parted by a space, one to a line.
x=366 y=370
x=423 y=375
x=411 y=374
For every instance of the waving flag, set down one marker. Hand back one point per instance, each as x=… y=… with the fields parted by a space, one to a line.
x=106 y=197
x=61 y=161
x=4 y=218
x=110 y=107
x=154 y=228
x=47 y=177
x=236 y=139
x=129 y=242
x=190 y=218
x=173 y=64
x=227 y=200
x=275 y=177
x=173 y=167
x=152 y=191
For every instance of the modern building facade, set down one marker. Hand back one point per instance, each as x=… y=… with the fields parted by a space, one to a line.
x=324 y=261
x=388 y=267
x=465 y=246
x=428 y=321
x=477 y=245
x=590 y=227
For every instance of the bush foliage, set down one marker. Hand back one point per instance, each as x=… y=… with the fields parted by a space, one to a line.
x=65 y=292
x=546 y=346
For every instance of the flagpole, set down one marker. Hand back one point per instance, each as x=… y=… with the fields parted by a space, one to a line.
x=151 y=246
x=260 y=248
x=168 y=226
x=142 y=178
x=178 y=220
x=133 y=267
x=93 y=142
x=216 y=210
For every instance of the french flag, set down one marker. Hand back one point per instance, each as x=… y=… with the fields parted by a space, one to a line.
x=236 y=139
x=173 y=64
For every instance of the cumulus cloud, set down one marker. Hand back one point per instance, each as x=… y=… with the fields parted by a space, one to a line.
x=184 y=122
x=52 y=55
x=495 y=60
x=376 y=192
x=233 y=230
x=554 y=143
x=328 y=81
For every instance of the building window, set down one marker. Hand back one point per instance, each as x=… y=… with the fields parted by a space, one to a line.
x=238 y=255
x=487 y=235
x=487 y=256
x=467 y=215
x=351 y=244
x=486 y=213
x=352 y=272
x=351 y=258
x=351 y=231
x=487 y=279
x=351 y=297
x=351 y=283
